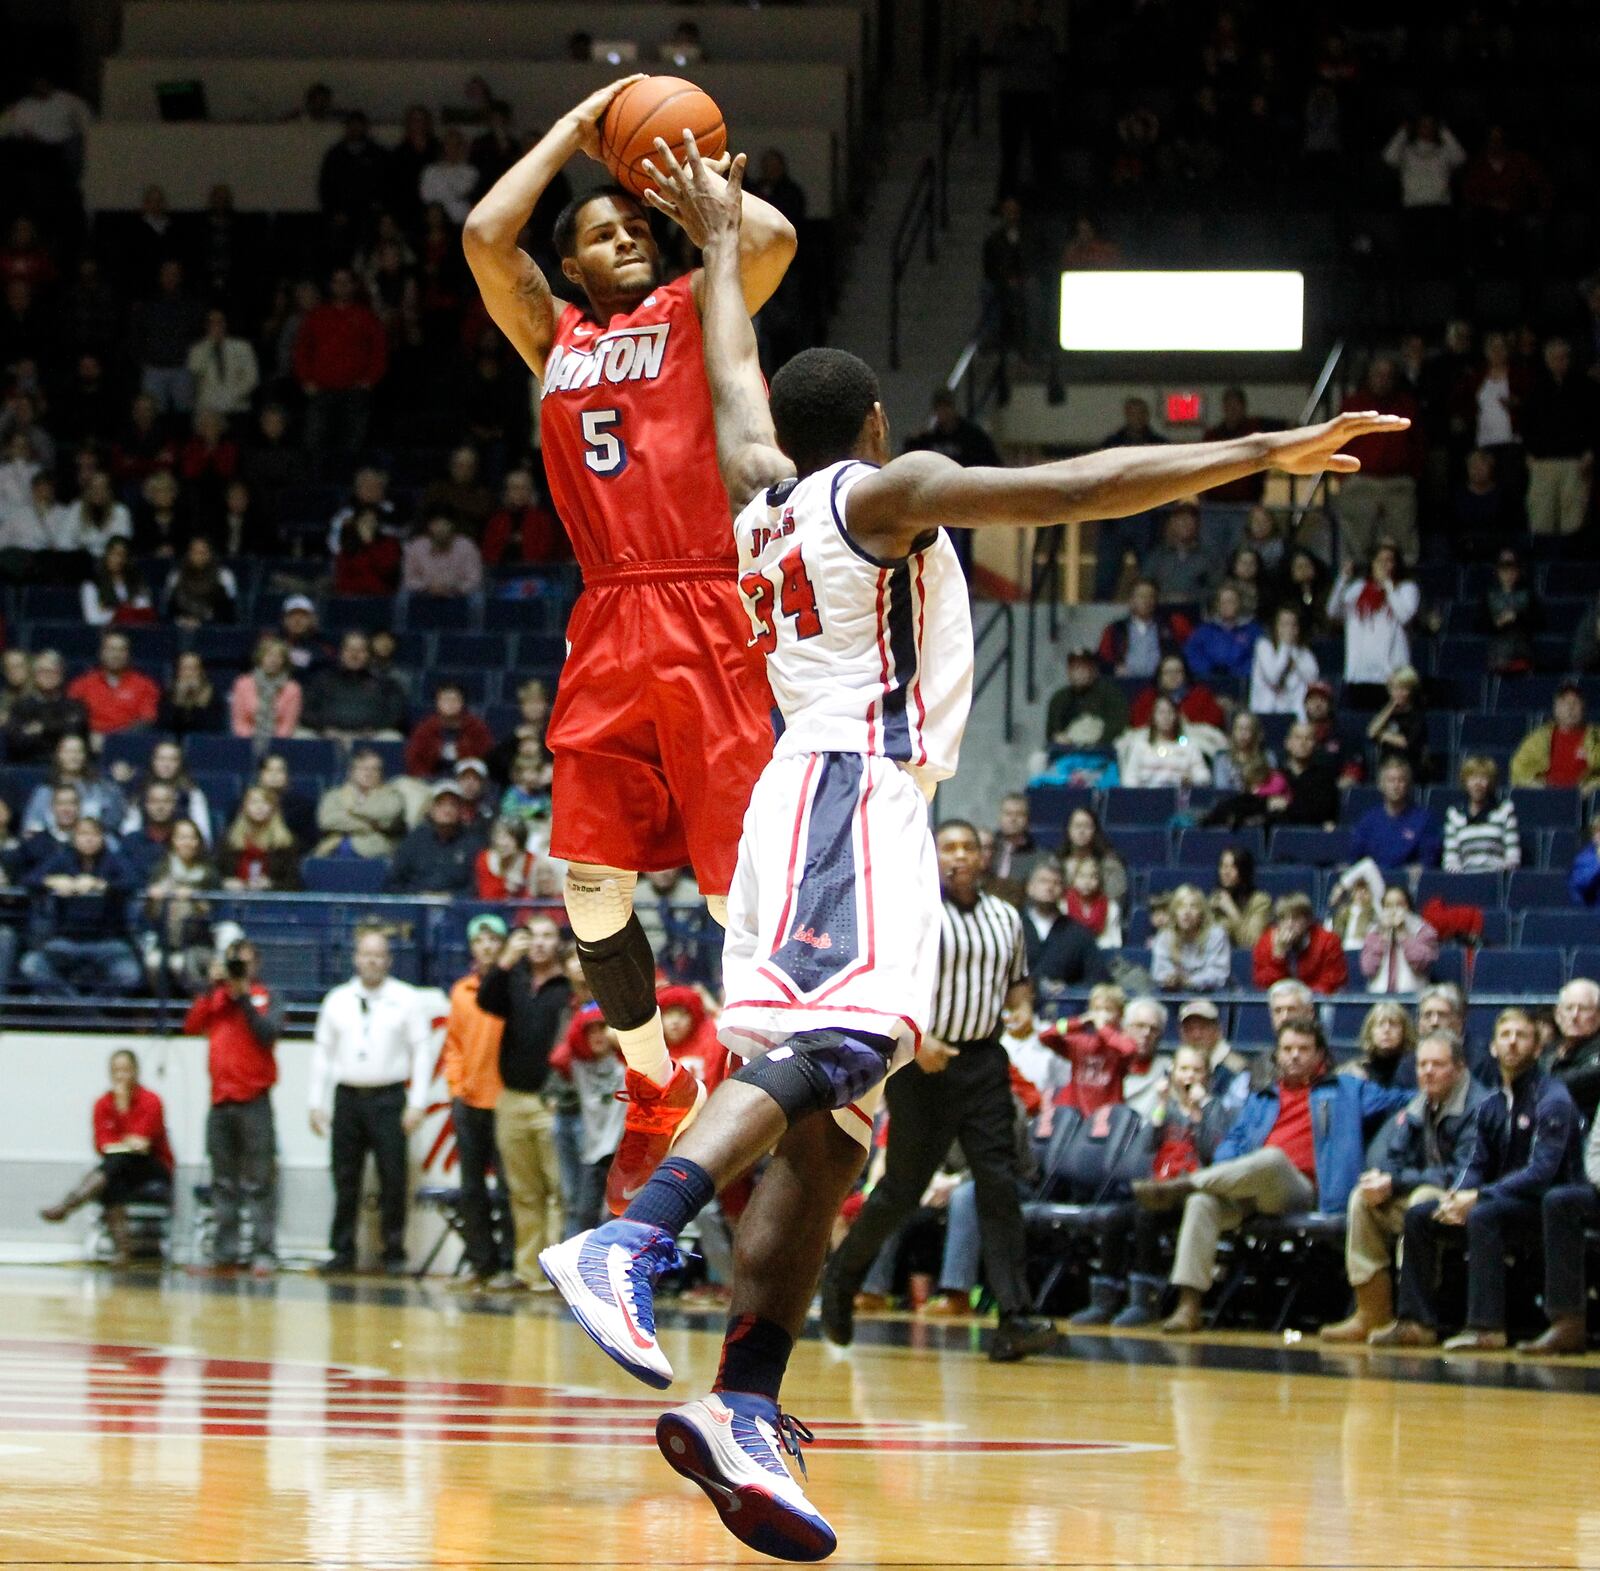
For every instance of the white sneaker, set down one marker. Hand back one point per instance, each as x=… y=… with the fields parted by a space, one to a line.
x=606 y=1276
x=732 y=1446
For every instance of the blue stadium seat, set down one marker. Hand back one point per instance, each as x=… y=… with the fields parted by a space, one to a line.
x=535 y=614
x=1522 y=970
x=309 y=755
x=393 y=755
x=1539 y=808
x=437 y=613
x=1318 y=847
x=1450 y=966
x=1360 y=800
x=1241 y=971
x=1585 y=963
x=333 y=875
x=1505 y=729
x=541 y=651
x=1252 y=1027
x=1559 y=849
x=50 y=603
x=1496 y=929
x=1529 y=890
x=219 y=754
x=1142 y=848
x=356 y=613
x=132 y=748
x=18 y=782
x=1049 y=806
x=1549 y=928
x=224 y=650
x=1442 y=733
x=1135 y=807
x=78 y=646
x=154 y=648
x=1462 y=656
x=1136 y=929
x=1472 y=889
x=1276 y=881
x=1200 y=848
x=479 y=684
x=1348 y=1016
x=486 y=651
x=1441 y=798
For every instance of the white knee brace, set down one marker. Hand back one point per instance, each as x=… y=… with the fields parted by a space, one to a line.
x=599 y=900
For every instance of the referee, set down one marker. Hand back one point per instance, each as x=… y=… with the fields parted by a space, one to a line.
x=959 y=1088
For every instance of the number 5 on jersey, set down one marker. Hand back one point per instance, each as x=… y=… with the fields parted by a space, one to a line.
x=797 y=600
x=603 y=451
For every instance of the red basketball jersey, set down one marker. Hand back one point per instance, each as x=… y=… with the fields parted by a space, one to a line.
x=630 y=447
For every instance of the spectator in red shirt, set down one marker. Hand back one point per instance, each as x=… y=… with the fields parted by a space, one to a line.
x=691 y=1031
x=368 y=559
x=340 y=354
x=526 y=531
x=505 y=868
x=1296 y=947
x=1236 y=421
x=130 y=1134
x=1101 y=1053
x=240 y=1022
x=452 y=732
x=1196 y=702
x=1506 y=195
x=117 y=697
x=1382 y=499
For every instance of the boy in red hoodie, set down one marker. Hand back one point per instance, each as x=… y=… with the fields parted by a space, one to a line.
x=1101 y=1053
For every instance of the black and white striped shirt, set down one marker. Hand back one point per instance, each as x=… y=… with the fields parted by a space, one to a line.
x=1489 y=843
x=981 y=958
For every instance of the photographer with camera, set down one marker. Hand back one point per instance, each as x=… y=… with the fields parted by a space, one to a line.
x=240 y=1020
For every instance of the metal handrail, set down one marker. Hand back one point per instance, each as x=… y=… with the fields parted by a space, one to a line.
x=918 y=221
x=1313 y=406
x=1004 y=661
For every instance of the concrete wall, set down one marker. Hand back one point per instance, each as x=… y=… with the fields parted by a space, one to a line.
x=405 y=29
x=53 y=1081
x=273 y=168
x=239 y=88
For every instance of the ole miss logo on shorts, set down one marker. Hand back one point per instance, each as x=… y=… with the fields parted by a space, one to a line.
x=88 y=1388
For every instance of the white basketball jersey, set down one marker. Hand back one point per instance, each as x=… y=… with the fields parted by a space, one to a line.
x=863 y=656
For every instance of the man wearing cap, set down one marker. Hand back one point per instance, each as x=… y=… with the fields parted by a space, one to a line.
x=437 y=857
x=1200 y=1027
x=298 y=621
x=1090 y=711
x=1562 y=753
x=471 y=1071
x=471 y=776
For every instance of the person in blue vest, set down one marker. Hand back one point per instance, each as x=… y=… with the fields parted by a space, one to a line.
x=1528 y=1142
x=1298 y=1145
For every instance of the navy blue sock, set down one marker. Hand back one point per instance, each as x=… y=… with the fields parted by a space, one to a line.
x=678 y=1191
x=755 y=1355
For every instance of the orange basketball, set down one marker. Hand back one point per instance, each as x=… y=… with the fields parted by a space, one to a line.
x=657 y=106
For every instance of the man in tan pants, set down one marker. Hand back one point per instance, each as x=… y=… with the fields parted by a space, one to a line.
x=1418 y=1158
x=1296 y=1143
x=527 y=988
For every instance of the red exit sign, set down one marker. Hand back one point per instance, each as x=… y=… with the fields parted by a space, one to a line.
x=1183 y=408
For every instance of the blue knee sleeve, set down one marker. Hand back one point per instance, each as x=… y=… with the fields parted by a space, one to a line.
x=820 y=1071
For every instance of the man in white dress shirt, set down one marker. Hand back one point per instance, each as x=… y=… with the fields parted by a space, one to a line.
x=372 y=1062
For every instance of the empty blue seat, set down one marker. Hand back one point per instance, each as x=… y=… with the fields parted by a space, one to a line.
x=479 y=685
x=1492 y=730
x=1450 y=966
x=393 y=755
x=51 y=603
x=132 y=748
x=309 y=755
x=18 y=782
x=1559 y=849
x=1252 y=1027
x=227 y=649
x=1442 y=733
x=1585 y=963
x=1359 y=800
x=1497 y=928
x=541 y=651
x=1136 y=929
x=438 y=613
x=1318 y=847
x=1200 y=848
x=1471 y=889
x=338 y=875
x=1049 y=806
x=1345 y=1017
x=221 y=754
x=1529 y=890
x=154 y=648
x=487 y=651
x=1520 y=971
x=1141 y=848
x=1276 y=881
x=1241 y=970
x=1540 y=808
x=357 y=613
x=1135 y=807
x=534 y=614
x=1550 y=928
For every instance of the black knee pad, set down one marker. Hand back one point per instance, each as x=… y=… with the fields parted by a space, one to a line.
x=820 y=1071
x=621 y=972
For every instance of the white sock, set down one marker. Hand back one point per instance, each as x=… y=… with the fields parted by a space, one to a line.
x=644 y=1050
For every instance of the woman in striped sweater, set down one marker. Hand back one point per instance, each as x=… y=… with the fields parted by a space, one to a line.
x=1482 y=836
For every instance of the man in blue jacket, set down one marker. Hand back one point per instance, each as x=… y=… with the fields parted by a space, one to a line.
x=1416 y=1158
x=1528 y=1141
x=87 y=952
x=1297 y=1146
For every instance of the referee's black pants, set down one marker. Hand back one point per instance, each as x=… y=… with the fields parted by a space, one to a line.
x=367 y=1119
x=970 y=1101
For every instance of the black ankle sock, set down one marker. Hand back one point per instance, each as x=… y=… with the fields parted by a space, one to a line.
x=678 y=1191
x=755 y=1354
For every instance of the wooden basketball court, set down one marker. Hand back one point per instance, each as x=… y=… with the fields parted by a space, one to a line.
x=182 y=1422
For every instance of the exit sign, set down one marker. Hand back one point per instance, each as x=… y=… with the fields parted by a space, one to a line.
x=1183 y=408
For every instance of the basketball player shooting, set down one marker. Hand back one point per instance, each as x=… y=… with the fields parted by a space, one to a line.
x=856 y=598
x=663 y=719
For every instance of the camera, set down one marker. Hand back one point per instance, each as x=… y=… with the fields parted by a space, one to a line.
x=237 y=969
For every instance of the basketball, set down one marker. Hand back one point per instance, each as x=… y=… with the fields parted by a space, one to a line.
x=658 y=106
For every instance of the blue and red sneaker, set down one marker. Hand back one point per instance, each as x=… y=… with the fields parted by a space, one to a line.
x=732 y=1445
x=607 y=1276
